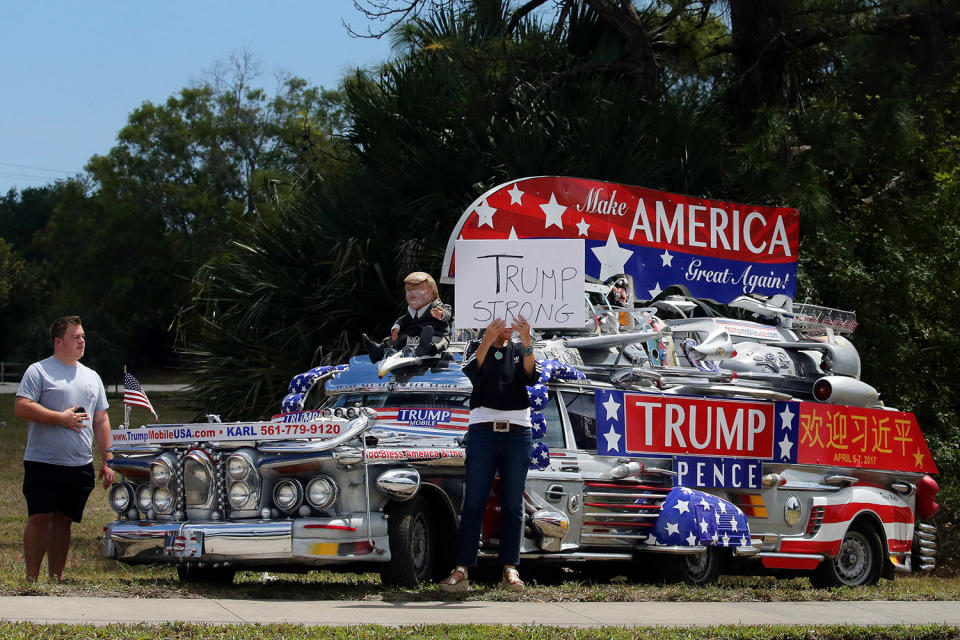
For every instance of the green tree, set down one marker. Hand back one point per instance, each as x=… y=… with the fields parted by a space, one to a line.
x=181 y=181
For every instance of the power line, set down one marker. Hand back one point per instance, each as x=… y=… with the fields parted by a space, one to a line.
x=26 y=175
x=27 y=166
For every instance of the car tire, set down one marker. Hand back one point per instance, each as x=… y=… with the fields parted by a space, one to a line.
x=699 y=569
x=192 y=574
x=858 y=563
x=411 y=531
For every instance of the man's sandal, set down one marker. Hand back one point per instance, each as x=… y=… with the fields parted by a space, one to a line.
x=456 y=581
x=511 y=580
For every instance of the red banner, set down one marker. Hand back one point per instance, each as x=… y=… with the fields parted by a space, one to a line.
x=865 y=438
x=703 y=427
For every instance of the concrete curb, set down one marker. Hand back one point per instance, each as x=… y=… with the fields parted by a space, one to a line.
x=103 y=611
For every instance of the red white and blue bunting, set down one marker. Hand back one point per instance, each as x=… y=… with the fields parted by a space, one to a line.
x=302 y=383
x=549 y=370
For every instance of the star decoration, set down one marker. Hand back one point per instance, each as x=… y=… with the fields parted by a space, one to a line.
x=655 y=291
x=918 y=457
x=683 y=506
x=723 y=506
x=743 y=541
x=714 y=538
x=485 y=213
x=554 y=213
x=612 y=407
x=612 y=257
x=786 y=418
x=733 y=524
x=582 y=227
x=704 y=527
x=613 y=440
x=704 y=504
x=667 y=258
x=692 y=540
x=785 y=446
x=726 y=540
x=673 y=527
x=513 y=234
x=516 y=196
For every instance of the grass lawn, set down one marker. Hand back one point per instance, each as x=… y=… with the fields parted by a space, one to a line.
x=14 y=631
x=89 y=573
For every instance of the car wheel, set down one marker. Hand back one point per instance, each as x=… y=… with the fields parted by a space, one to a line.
x=694 y=569
x=411 y=533
x=192 y=574
x=857 y=563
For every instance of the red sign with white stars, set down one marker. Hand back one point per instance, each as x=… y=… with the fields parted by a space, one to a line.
x=716 y=249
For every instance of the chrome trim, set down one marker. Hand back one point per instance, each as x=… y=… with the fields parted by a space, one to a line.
x=551 y=523
x=399 y=484
x=298 y=487
x=240 y=543
x=676 y=550
x=136 y=449
x=840 y=480
x=202 y=458
x=800 y=556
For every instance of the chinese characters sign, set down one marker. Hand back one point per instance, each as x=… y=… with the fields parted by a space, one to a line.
x=863 y=438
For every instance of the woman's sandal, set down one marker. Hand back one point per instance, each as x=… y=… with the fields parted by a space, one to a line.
x=511 y=580
x=456 y=581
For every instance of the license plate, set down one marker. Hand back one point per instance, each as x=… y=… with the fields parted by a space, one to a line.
x=181 y=545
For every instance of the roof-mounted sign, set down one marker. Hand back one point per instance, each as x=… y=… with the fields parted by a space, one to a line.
x=714 y=249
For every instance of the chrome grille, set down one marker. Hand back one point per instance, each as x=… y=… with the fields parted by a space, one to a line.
x=617 y=510
x=816 y=519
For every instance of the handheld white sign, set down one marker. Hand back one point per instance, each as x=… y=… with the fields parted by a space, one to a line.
x=542 y=280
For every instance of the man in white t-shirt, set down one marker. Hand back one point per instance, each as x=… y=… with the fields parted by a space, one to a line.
x=66 y=406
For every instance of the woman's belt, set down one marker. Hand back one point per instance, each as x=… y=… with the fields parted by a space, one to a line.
x=500 y=426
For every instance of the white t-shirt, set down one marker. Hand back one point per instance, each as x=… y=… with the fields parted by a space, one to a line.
x=58 y=386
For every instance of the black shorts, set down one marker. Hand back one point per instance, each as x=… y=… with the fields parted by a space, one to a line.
x=55 y=487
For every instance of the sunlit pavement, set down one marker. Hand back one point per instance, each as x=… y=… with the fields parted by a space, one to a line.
x=101 y=611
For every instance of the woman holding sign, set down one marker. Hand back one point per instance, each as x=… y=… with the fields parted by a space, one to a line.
x=499 y=440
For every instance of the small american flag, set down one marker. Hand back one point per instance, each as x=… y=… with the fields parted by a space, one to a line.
x=134 y=396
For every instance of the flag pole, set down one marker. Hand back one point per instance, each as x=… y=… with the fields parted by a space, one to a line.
x=126 y=407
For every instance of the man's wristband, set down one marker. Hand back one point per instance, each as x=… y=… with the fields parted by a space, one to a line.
x=528 y=351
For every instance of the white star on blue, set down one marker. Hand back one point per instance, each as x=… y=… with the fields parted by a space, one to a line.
x=549 y=370
x=707 y=523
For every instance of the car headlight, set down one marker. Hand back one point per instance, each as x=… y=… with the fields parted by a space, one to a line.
x=198 y=479
x=162 y=500
x=142 y=495
x=239 y=466
x=239 y=495
x=352 y=413
x=338 y=412
x=121 y=496
x=322 y=492
x=160 y=472
x=288 y=494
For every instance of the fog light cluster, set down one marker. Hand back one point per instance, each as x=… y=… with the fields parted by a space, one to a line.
x=288 y=494
x=243 y=482
x=121 y=496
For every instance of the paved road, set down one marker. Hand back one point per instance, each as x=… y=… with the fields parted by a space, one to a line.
x=100 y=611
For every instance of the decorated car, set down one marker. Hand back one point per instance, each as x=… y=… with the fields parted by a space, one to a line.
x=716 y=427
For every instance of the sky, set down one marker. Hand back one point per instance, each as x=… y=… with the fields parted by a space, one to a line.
x=72 y=71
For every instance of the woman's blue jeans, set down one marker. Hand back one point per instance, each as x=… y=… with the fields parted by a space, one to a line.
x=490 y=452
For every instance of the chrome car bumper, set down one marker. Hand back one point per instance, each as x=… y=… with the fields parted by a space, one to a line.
x=304 y=541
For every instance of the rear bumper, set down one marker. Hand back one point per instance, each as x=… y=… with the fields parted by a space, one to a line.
x=304 y=541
